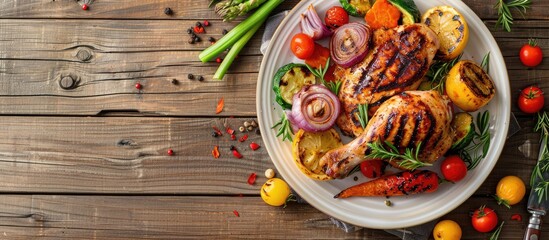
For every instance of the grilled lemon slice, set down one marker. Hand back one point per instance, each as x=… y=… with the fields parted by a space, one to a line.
x=469 y=86
x=309 y=147
x=451 y=29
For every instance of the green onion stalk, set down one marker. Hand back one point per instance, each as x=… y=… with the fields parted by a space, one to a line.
x=237 y=33
x=231 y=55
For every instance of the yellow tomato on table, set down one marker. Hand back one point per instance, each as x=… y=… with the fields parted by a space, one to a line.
x=447 y=230
x=510 y=190
x=275 y=192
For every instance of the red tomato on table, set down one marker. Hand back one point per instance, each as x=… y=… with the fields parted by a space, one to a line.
x=484 y=219
x=531 y=99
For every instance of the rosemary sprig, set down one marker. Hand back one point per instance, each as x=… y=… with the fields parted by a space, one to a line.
x=319 y=73
x=388 y=151
x=486 y=62
x=438 y=71
x=481 y=140
x=495 y=234
x=542 y=166
x=363 y=114
x=505 y=18
x=284 y=128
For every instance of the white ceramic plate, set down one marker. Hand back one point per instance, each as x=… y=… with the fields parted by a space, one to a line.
x=372 y=212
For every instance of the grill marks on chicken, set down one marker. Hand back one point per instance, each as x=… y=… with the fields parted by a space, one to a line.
x=405 y=120
x=401 y=57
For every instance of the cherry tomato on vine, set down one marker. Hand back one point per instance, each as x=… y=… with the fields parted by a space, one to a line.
x=302 y=46
x=484 y=219
x=530 y=54
x=373 y=168
x=531 y=99
x=453 y=168
x=336 y=16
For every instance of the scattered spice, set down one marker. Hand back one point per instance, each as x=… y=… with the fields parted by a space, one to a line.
x=138 y=86
x=206 y=23
x=229 y=130
x=236 y=213
x=191 y=40
x=250 y=128
x=175 y=81
x=85 y=7
x=211 y=40
x=200 y=78
x=236 y=153
x=243 y=138
x=254 y=146
x=170 y=152
x=516 y=217
x=215 y=152
x=190 y=76
x=217 y=131
x=218 y=60
x=269 y=173
x=388 y=203
x=233 y=137
x=220 y=105
x=241 y=129
x=224 y=31
x=254 y=123
x=197 y=39
x=199 y=29
x=232 y=148
x=258 y=132
x=251 y=178
x=168 y=11
x=247 y=124
x=355 y=178
x=189 y=31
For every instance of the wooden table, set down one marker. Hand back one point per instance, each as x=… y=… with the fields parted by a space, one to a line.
x=84 y=154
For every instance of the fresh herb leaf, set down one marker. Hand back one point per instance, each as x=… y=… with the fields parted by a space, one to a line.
x=438 y=71
x=363 y=114
x=486 y=62
x=320 y=73
x=542 y=166
x=505 y=18
x=284 y=128
x=495 y=234
x=481 y=142
x=388 y=151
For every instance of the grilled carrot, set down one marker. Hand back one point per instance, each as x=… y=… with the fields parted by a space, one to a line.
x=382 y=14
x=402 y=183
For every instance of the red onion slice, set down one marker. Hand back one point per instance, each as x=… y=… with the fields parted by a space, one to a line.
x=312 y=25
x=350 y=44
x=314 y=108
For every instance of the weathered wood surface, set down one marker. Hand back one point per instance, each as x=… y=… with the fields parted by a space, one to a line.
x=91 y=161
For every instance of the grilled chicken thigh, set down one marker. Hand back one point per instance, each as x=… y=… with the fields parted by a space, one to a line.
x=405 y=120
x=399 y=60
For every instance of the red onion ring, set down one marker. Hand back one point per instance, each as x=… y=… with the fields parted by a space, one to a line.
x=312 y=25
x=314 y=109
x=350 y=44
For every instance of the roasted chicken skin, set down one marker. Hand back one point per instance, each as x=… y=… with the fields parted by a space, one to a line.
x=405 y=120
x=399 y=60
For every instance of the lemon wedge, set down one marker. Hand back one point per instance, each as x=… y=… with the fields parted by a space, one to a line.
x=451 y=28
x=309 y=147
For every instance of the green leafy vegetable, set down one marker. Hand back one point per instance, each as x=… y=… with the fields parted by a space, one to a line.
x=320 y=73
x=505 y=18
x=438 y=71
x=284 y=128
x=486 y=62
x=388 y=151
x=363 y=114
x=481 y=142
x=542 y=166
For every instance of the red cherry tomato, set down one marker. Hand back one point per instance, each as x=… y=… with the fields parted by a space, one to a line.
x=530 y=54
x=336 y=16
x=373 y=168
x=531 y=99
x=302 y=46
x=484 y=219
x=453 y=168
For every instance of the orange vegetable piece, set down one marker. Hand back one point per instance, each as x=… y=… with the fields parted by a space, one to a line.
x=319 y=57
x=220 y=106
x=382 y=15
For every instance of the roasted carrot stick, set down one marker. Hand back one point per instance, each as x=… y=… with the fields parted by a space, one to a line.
x=402 y=183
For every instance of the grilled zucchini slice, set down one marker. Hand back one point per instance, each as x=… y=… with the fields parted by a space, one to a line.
x=357 y=8
x=464 y=127
x=288 y=80
x=409 y=10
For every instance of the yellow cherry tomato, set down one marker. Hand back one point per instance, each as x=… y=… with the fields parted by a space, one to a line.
x=510 y=190
x=275 y=192
x=447 y=230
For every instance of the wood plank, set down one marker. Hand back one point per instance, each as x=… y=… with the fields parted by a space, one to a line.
x=128 y=155
x=167 y=217
x=127 y=9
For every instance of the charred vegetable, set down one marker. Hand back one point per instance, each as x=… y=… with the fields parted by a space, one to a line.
x=469 y=86
x=410 y=12
x=350 y=44
x=312 y=25
x=402 y=183
x=464 y=127
x=315 y=108
x=309 y=147
x=357 y=8
x=382 y=15
x=288 y=80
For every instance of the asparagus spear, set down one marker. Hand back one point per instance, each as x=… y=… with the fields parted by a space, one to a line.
x=230 y=9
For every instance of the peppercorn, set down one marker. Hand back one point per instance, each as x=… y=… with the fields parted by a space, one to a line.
x=168 y=11
x=170 y=152
x=257 y=131
x=175 y=81
x=232 y=148
x=198 y=24
x=241 y=129
x=224 y=31
x=200 y=78
x=190 y=31
x=191 y=40
x=215 y=134
x=197 y=39
x=388 y=203
x=218 y=60
x=138 y=86
x=211 y=39
x=355 y=178
x=85 y=7
x=206 y=23
x=190 y=76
